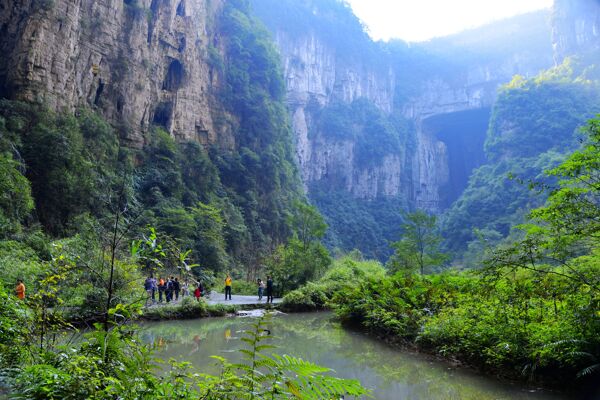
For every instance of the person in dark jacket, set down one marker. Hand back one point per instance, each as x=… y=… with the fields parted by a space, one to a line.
x=169 y=290
x=176 y=288
x=161 y=289
x=269 y=289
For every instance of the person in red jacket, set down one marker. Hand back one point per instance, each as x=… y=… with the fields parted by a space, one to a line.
x=20 y=289
x=198 y=292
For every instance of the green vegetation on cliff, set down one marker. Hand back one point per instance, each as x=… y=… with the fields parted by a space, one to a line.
x=534 y=125
x=230 y=207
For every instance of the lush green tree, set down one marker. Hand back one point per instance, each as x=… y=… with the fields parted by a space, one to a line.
x=294 y=264
x=309 y=225
x=209 y=239
x=303 y=258
x=419 y=247
x=15 y=196
x=71 y=161
x=567 y=225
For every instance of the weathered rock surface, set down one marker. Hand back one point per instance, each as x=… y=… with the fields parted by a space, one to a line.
x=575 y=27
x=139 y=61
x=316 y=77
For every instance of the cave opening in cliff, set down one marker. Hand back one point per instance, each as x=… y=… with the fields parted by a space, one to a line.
x=99 y=91
x=163 y=114
x=464 y=134
x=174 y=78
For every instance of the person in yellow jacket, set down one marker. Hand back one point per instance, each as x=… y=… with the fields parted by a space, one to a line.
x=228 y=287
x=20 y=289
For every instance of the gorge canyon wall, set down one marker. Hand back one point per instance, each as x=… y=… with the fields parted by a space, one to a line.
x=152 y=62
x=317 y=77
x=140 y=62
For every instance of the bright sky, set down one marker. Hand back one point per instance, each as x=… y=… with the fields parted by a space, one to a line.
x=418 y=20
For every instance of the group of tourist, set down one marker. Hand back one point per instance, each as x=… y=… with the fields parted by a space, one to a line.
x=266 y=288
x=170 y=289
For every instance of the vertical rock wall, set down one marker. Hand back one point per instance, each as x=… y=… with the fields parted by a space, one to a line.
x=575 y=27
x=139 y=61
x=317 y=77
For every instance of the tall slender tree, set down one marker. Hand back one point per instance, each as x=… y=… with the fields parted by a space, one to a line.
x=419 y=246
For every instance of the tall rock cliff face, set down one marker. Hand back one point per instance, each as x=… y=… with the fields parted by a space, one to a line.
x=575 y=27
x=141 y=62
x=315 y=79
x=456 y=110
x=317 y=76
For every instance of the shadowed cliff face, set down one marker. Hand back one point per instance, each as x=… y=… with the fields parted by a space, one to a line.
x=463 y=134
x=139 y=61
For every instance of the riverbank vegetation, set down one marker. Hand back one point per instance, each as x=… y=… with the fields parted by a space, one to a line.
x=113 y=363
x=532 y=310
x=84 y=219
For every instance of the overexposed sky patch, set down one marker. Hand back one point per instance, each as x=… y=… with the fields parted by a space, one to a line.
x=418 y=20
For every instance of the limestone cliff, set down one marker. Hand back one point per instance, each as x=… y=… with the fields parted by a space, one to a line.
x=315 y=78
x=575 y=27
x=471 y=93
x=317 y=75
x=141 y=62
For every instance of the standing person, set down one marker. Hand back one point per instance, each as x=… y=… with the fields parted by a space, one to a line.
x=169 y=290
x=161 y=289
x=148 y=289
x=261 y=288
x=20 y=289
x=269 y=289
x=154 y=289
x=176 y=288
x=198 y=292
x=185 y=291
x=228 y=287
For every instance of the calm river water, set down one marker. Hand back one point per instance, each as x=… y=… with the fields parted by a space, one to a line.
x=391 y=374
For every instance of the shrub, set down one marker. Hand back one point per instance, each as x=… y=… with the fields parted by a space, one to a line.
x=311 y=297
x=242 y=287
x=188 y=308
x=220 y=310
x=346 y=272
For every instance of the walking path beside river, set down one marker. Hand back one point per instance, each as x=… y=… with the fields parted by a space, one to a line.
x=219 y=298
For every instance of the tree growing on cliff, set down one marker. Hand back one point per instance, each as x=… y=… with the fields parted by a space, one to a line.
x=419 y=247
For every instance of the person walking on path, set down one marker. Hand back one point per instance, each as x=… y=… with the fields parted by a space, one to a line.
x=198 y=292
x=269 y=289
x=148 y=289
x=185 y=289
x=161 y=289
x=176 y=288
x=169 y=289
x=228 y=287
x=154 y=289
x=261 y=288
x=20 y=289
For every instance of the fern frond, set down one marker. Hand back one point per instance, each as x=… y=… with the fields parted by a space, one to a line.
x=588 y=370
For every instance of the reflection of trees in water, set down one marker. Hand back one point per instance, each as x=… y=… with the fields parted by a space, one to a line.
x=315 y=338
